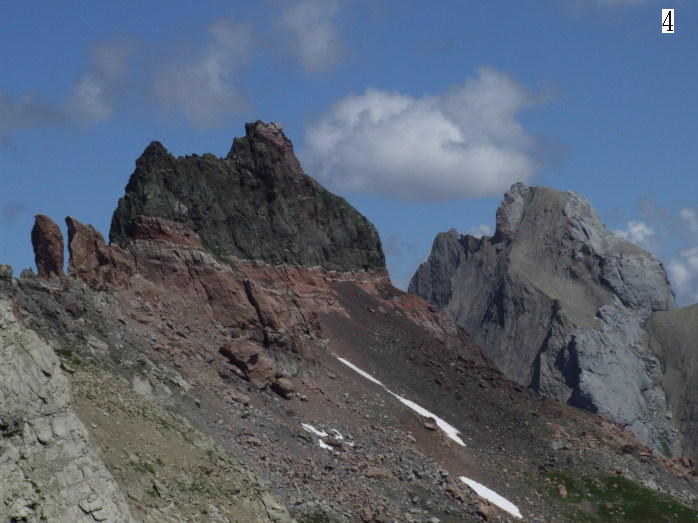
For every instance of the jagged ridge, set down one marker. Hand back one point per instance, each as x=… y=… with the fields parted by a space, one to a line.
x=560 y=303
x=256 y=203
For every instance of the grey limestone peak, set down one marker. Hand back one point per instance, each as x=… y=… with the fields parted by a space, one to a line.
x=560 y=303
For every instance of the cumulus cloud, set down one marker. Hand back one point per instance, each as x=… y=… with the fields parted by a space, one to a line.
x=481 y=230
x=637 y=232
x=465 y=142
x=683 y=273
x=314 y=38
x=690 y=219
x=683 y=267
x=203 y=88
x=98 y=89
x=25 y=112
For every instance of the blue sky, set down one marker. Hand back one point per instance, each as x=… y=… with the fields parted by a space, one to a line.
x=421 y=114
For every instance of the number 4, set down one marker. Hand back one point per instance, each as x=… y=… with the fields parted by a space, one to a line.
x=668 y=21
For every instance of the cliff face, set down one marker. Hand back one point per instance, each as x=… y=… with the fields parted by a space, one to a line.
x=560 y=304
x=674 y=339
x=255 y=204
x=49 y=470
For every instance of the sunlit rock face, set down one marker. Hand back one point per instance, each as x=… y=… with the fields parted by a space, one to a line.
x=560 y=304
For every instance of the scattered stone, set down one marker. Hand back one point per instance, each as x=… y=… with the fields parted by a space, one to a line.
x=485 y=510
x=378 y=473
x=284 y=387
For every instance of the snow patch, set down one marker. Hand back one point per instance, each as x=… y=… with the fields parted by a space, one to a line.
x=315 y=431
x=491 y=496
x=448 y=429
x=322 y=434
x=364 y=374
x=324 y=445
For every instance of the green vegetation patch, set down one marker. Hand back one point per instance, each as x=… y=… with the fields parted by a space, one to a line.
x=615 y=498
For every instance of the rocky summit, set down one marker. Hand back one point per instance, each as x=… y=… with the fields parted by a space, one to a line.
x=255 y=204
x=561 y=305
x=237 y=353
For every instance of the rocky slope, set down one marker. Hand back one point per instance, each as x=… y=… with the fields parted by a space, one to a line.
x=197 y=372
x=560 y=304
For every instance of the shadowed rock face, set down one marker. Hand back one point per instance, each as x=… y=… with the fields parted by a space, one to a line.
x=47 y=241
x=674 y=338
x=560 y=304
x=256 y=203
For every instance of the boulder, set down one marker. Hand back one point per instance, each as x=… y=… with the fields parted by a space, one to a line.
x=250 y=358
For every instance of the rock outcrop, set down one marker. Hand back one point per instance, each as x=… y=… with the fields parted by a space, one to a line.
x=560 y=304
x=256 y=203
x=48 y=468
x=92 y=260
x=47 y=241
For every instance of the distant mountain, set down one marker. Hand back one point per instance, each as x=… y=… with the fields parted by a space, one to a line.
x=562 y=305
x=237 y=353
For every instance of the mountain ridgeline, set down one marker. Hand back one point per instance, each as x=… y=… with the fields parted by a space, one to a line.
x=238 y=353
x=564 y=306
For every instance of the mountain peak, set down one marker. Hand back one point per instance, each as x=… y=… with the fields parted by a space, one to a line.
x=559 y=302
x=153 y=155
x=256 y=203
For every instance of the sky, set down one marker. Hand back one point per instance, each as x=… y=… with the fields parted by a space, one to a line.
x=420 y=114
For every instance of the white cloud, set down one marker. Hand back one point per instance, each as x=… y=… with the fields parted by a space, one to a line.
x=314 y=37
x=637 y=232
x=203 y=88
x=672 y=235
x=683 y=273
x=465 y=142
x=481 y=230
x=683 y=267
x=94 y=96
x=690 y=218
x=25 y=112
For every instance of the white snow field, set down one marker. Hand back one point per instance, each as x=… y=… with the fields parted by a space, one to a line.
x=491 y=496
